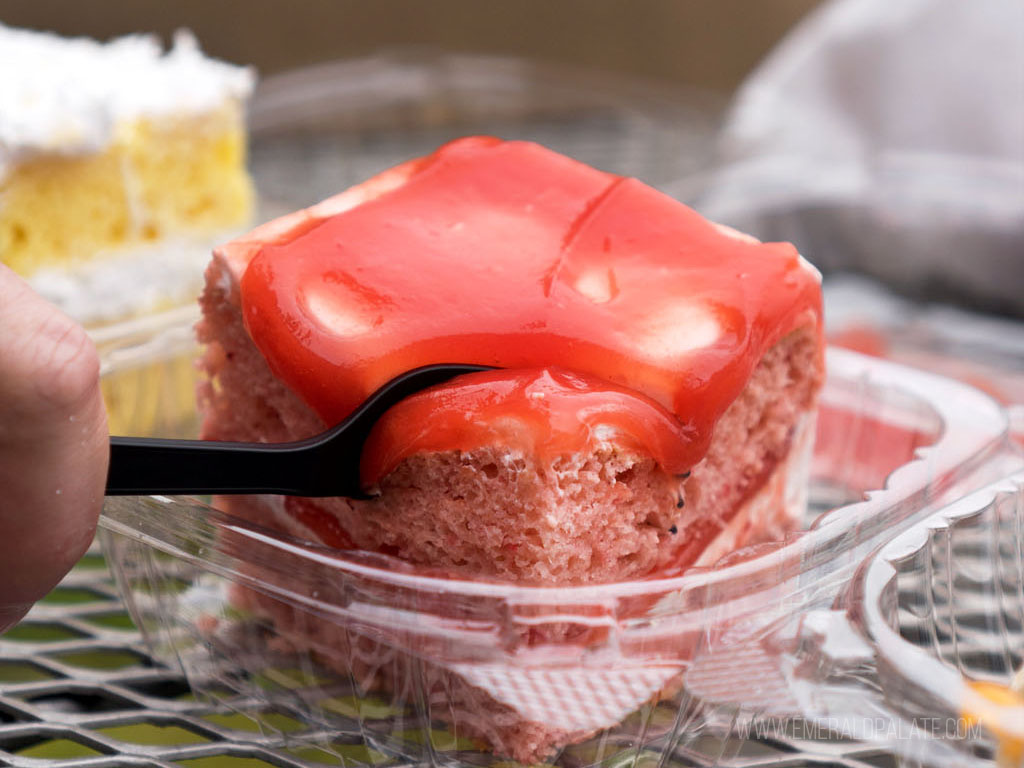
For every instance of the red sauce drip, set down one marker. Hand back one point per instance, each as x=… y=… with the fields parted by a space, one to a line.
x=326 y=525
x=510 y=255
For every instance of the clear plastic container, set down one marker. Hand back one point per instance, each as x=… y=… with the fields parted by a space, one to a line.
x=938 y=613
x=921 y=653
x=417 y=666
x=680 y=671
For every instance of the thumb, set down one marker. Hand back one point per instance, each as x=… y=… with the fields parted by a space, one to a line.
x=53 y=445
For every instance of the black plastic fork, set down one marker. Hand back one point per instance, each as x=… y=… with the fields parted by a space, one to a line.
x=324 y=465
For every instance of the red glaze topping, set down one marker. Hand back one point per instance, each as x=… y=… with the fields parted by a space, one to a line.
x=544 y=412
x=510 y=255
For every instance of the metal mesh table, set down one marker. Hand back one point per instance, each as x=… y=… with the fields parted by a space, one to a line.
x=77 y=685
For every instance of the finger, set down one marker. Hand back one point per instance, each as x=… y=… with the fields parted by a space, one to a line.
x=53 y=445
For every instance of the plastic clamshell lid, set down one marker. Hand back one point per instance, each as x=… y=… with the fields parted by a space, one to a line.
x=981 y=582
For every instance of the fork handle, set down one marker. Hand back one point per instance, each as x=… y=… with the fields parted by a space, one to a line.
x=324 y=465
x=142 y=466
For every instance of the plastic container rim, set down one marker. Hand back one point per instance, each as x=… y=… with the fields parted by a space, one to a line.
x=972 y=426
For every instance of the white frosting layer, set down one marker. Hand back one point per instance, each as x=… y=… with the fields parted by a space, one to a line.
x=128 y=282
x=60 y=95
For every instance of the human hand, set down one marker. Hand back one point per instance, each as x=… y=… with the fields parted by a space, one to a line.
x=53 y=446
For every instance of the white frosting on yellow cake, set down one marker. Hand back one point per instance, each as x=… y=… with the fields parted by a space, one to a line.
x=120 y=166
x=68 y=96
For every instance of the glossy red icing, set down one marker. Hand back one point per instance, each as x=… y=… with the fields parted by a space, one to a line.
x=510 y=255
x=546 y=412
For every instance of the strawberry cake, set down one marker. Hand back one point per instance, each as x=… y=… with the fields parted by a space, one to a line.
x=651 y=410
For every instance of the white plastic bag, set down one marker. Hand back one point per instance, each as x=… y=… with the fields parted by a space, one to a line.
x=888 y=137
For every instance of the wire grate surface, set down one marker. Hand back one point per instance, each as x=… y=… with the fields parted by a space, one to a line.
x=78 y=686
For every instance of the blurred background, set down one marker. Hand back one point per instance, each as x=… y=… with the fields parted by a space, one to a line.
x=709 y=45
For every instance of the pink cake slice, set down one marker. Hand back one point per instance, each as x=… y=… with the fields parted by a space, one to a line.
x=654 y=410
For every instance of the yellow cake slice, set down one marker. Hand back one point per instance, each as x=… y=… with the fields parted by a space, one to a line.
x=120 y=164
